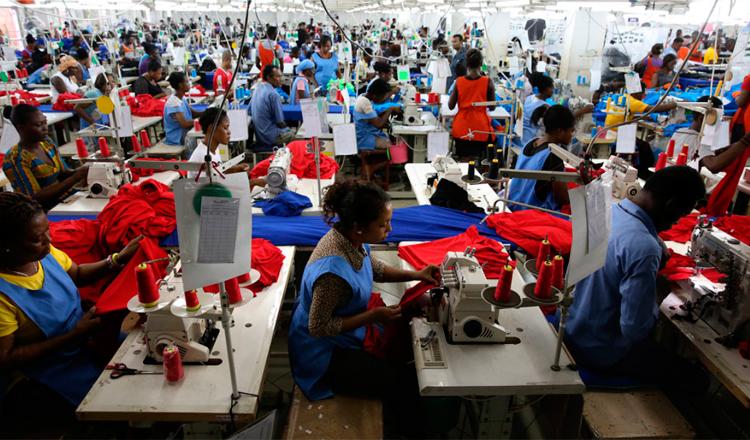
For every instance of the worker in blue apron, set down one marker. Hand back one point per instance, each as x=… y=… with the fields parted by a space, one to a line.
x=559 y=125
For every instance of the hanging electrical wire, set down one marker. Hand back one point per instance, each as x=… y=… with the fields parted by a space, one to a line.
x=663 y=97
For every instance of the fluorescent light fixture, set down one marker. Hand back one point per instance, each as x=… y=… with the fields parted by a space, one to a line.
x=512 y=3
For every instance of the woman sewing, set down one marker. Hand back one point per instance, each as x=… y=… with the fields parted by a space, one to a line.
x=45 y=368
x=304 y=83
x=64 y=80
x=472 y=130
x=34 y=166
x=329 y=320
x=326 y=63
x=88 y=112
x=369 y=125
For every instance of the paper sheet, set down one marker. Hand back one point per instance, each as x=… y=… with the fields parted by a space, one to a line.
x=9 y=136
x=219 y=219
x=288 y=69
x=583 y=261
x=626 y=139
x=598 y=201
x=95 y=71
x=125 y=121
x=345 y=139
x=314 y=117
x=541 y=66
x=596 y=80
x=238 y=124
x=721 y=136
x=633 y=83
x=437 y=144
x=439 y=85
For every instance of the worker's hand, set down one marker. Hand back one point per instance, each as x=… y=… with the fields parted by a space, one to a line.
x=385 y=314
x=430 y=274
x=81 y=173
x=88 y=322
x=588 y=108
x=239 y=168
x=396 y=110
x=128 y=251
x=257 y=182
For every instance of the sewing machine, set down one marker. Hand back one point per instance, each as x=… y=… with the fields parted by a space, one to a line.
x=105 y=178
x=726 y=311
x=193 y=337
x=412 y=112
x=624 y=178
x=447 y=168
x=278 y=170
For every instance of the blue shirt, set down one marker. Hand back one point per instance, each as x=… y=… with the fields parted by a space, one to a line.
x=143 y=64
x=175 y=134
x=530 y=130
x=92 y=111
x=266 y=111
x=615 y=307
x=366 y=132
x=325 y=69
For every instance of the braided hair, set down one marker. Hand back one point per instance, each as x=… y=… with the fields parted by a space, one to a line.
x=18 y=211
x=352 y=202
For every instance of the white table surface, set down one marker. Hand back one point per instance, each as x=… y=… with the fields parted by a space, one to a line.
x=204 y=394
x=504 y=369
x=445 y=112
x=306 y=187
x=139 y=123
x=481 y=194
x=78 y=205
x=55 y=117
x=413 y=130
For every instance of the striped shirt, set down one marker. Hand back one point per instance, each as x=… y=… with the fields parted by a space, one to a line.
x=29 y=173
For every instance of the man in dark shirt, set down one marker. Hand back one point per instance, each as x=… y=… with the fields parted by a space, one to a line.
x=147 y=83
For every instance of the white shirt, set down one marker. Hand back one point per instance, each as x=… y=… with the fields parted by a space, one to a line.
x=69 y=86
x=363 y=105
x=199 y=155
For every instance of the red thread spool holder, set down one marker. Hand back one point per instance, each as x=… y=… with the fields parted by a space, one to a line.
x=148 y=291
x=681 y=159
x=81 y=149
x=145 y=140
x=192 y=303
x=670 y=148
x=103 y=147
x=234 y=293
x=543 y=288
x=544 y=253
x=174 y=371
x=661 y=162
x=136 y=144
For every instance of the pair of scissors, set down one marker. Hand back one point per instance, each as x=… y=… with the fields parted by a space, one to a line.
x=119 y=370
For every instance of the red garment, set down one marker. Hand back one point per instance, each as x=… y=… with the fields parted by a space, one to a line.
x=489 y=252
x=146 y=209
x=528 y=228
x=201 y=91
x=79 y=239
x=679 y=267
x=267 y=259
x=303 y=163
x=60 y=104
x=744 y=349
x=226 y=78
x=146 y=105
x=393 y=340
x=26 y=97
x=124 y=286
x=737 y=226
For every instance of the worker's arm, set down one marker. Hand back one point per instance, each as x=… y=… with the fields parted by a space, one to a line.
x=12 y=355
x=51 y=194
x=382 y=120
x=393 y=274
x=490 y=94
x=83 y=274
x=560 y=193
x=278 y=110
x=160 y=95
x=453 y=100
x=58 y=84
x=81 y=111
x=300 y=94
x=182 y=120
x=638 y=293
x=664 y=107
x=743 y=99
x=722 y=160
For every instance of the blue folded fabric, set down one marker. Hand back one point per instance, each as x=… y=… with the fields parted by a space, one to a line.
x=286 y=204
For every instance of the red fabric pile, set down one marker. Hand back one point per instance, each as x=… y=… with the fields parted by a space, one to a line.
x=489 y=252
x=26 y=97
x=146 y=105
x=147 y=209
x=528 y=228
x=137 y=173
x=737 y=226
x=679 y=267
x=201 y=91
x=61 y=106
x=267 y=259
x=303 y=163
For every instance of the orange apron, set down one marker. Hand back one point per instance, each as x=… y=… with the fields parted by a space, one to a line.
x=470 y=117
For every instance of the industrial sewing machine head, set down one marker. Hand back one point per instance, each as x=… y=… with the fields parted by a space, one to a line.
x=105 y=178
x=466 y=316
x=448 y=168
x=412 y=112
x=624 y=178
x=726 y=311
x=278 y=171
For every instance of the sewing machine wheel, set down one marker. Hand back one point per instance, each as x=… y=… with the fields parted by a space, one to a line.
x=96 y=188
x=632 y=192
x=488 y=295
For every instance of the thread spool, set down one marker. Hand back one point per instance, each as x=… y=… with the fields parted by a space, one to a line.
x=685 y=150
x=670 y=148
x=558 y=271
x=661 y=162
x=490 y=151
x=471 y=169
x=148 y=291
x=681 y=159
x=145 y=141
x=502 y=291
x=499 y=154
x=103 y=147
x=136 y=144
x=543 y=287
x=81 y=148
x=174 y=371
x=13 y=100
x=494 y=167
x=197 y=126
x=543 y=254
x=233 y=290
x=192 y=303
x=418 y=98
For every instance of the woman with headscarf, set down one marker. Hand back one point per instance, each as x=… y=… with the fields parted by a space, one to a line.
x=64 y=80
x=304 y=83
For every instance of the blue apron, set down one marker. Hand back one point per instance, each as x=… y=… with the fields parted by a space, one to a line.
x=175 y=134
x=55 y=309
x=309 y=355
x=325 y=69
x=522 y=190
x=293 y=90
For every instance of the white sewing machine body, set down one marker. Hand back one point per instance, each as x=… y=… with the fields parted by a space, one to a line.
x=278 y=171
x=448 y=168
x=105 y=178
x=189 y=335
x=624 y=178
x=726 y=311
